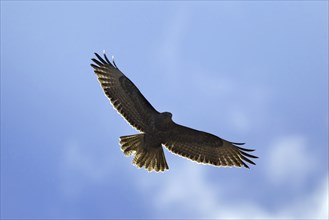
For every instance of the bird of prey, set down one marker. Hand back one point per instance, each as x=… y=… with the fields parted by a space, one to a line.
x=159 y=129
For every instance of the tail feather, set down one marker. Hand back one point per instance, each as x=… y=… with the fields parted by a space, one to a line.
x=130 y=146
x=151 y=158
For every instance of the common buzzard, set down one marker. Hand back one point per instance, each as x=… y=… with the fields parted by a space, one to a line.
x=159 y=129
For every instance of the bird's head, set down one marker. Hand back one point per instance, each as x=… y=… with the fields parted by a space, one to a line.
x=163 y=120
x=166 y=115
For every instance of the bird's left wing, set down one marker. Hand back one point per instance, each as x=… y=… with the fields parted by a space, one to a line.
x=123 y=94
x=206 y=148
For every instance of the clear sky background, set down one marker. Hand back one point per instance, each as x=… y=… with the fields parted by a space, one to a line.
x=247 y=71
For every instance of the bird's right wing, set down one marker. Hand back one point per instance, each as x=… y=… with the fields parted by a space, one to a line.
x=206 y=148
x=123 y=94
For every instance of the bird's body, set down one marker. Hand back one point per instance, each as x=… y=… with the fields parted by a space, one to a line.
x=159 y=129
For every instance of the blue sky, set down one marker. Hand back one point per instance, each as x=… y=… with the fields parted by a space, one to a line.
x=252 y=71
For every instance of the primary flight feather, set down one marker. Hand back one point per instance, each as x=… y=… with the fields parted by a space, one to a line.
x=159 y=129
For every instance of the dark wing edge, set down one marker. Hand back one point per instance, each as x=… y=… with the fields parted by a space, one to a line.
x=205 y=148
x=101 y=62
x=134 y=107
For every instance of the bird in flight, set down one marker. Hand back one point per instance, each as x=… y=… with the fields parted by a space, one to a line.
x=158 y=129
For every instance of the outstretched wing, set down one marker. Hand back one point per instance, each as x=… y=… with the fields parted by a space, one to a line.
x=206 y=148
x=123 y=94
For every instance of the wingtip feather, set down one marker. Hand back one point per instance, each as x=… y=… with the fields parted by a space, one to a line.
x=101 y=62
x=107 y=60
x=245 y=149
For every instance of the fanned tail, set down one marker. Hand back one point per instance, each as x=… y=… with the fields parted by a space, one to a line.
x=152 y=159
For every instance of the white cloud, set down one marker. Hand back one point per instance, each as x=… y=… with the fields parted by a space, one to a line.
x=80 y=166
x=188 y=194
x=312 y=206
x=289 y=160
x=188 y=186
x=187 y=191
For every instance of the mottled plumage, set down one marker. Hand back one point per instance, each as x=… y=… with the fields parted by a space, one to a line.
x=158 y=129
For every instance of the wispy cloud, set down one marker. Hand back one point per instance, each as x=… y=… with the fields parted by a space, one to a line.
x=80 y=167
x=289 y=160
x=174 y=33
x=188 y=192
x=168 y=53
x=191 y=195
